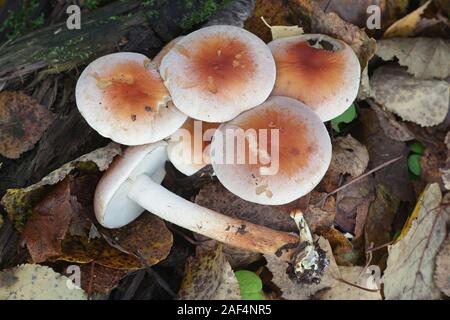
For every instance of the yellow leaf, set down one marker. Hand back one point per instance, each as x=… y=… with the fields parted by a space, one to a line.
x=405 y=27
x=279 y=32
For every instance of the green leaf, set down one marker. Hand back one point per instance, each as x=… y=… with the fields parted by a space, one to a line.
x=348 y=116
x=417 y=148
x=250 y=285
x=414 y=164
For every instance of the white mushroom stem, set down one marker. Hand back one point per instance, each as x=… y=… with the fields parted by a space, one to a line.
x=236 y=232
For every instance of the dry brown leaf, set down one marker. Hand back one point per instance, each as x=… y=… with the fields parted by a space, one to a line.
x=22 y=123
x=275 y=12
x=425 y=58
x=392 y=128
x=424 y=102
x=349 y=157
x=411 y=261
x=35 y=282
x=209 y=276
x=315 y=20
x=295 y=291
x=147 y=237
x=96 y=278
x=344 y=291
x=18 y=203
x=442 y=271
x=50 y=222
x=406 y=26
x=320 y=218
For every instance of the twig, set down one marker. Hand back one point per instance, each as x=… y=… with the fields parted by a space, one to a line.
x=321 y=203
x=357 y=286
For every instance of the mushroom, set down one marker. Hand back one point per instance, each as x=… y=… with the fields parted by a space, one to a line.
x=132 y=185
x=122 y=96
x=160 y=56
x=218 y=72
x=289 y=145
x=188 y=148
x=320 y=71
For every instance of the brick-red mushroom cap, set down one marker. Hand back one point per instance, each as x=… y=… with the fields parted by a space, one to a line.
x=287 y=167
x=123 y=97
x=320 y=71
x=218 y=72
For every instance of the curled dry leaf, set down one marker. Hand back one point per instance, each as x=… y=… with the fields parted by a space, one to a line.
x=35 y=282
x=349 y=157
x=424 y=102
x=425 y=58
x=442 y=271
x=321 y=218
x=428 y=20
x=22 y=122
x=18 y=203
x=50 y=222
x=411 y=261
x=315 y=20
x=209 y=276
x=344 y=291
x=392 y=128
x=292 y=290
x=96 y=278
x=147 y=238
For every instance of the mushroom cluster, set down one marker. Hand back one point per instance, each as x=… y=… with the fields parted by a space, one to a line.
x=224 y=83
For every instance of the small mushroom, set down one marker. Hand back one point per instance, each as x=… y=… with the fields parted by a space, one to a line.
x=217 y=72
x=122 y=96
x=132 y=185
x=320 y=71
x=188 y=148
x=280 y=166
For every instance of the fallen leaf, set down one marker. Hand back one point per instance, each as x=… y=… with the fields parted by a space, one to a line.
x=279 y=32
x=209 y=276
x=349 y=157
x=81 y=251
x=424 y=102
x=352 y=206
x=442 y=270
x=425 y=58
x=297 y=291
x=392 y=128
x=35 y=282
x=50 y=222
x=275 y=12
x=315 y=20
x=18 y=203
x=344 y=291
x=410 y=265
x=147 y=237
x=428 y=20
x=99 y=279
x=22 y=123
x=393 y=192
x=320 y=218
x=342 y=248
x=347 y=117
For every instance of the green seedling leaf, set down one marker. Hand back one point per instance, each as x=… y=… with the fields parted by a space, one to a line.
x=250 y=285
x=414 y=164
x=417 y=148
x=348 y=116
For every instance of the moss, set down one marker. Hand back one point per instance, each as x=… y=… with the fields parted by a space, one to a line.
x=68 y=51
x=22 y=20
x=205 y=10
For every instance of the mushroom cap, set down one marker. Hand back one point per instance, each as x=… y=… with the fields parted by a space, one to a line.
x=320 y=71
x=218 y=72
x=112 y=206
x=188 y=148
x=304 y=152
x=165 y=50
x=122 y=96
